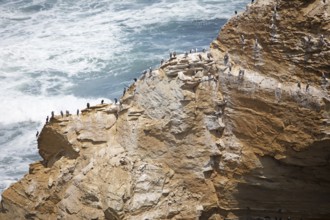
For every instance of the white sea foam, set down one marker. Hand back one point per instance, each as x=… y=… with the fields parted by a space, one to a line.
x=37 y=108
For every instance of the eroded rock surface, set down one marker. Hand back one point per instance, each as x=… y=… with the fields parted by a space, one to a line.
x=198 y=138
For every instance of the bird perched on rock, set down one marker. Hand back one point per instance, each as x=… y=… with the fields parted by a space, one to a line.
x=309 y=38
x=102 y=101
x=116 y=100
x=242 y=39
x=47 y=120
x=322 y=40
x=67 y=113
x=171 y=55
x=53 y=115
x=135 y=79
x=161 y=62
x=124 y=91
x=77 y=112
x=88 y=105
x=256 y=44
x=324 y=77
x=241 y=73
x=174 y=54
x=62 y=114
x=235 y=12
x=226 y=58
x=200 y=57
x=307 y=86
x=37 y=134
x=209 y=56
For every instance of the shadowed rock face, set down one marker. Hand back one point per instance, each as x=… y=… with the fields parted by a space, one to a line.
x=196 y=139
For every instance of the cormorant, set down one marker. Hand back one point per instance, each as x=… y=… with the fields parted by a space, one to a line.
x=307 y=86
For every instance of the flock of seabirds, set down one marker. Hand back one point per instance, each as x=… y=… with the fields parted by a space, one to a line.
x=308 y=43
x=172 y=56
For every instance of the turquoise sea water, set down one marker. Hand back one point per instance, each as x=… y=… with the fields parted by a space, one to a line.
x=60 y=54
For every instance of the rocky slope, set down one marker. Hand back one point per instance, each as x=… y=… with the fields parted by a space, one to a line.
x=197 y=140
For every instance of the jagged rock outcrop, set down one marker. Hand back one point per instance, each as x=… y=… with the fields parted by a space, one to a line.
x=197 y=138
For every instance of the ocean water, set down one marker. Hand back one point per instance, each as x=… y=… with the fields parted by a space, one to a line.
x=60 y=54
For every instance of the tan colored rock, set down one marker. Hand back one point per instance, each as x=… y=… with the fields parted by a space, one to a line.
x=195 y=140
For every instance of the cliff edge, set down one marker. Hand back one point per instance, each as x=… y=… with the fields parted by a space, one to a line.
x=237 y=132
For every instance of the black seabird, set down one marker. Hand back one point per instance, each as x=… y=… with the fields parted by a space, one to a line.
x=77 y=111
x=47 y=120
x=62 y=114
x=135 y=79
x=52 y=114
x=307 y=86
x=102 y=101
x=174 y=54
x=209 y=56
x=67 y=113
x=88 y=105
x=124 y=91
x=235 y=12
x=225 y=58
x=200 y=57
x=161 y=62
x=116 y=100
x=37 y=134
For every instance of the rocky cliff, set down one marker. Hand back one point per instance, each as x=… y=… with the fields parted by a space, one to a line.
x=220 y=135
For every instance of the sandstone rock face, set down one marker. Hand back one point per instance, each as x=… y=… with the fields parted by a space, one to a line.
x=197 y=140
